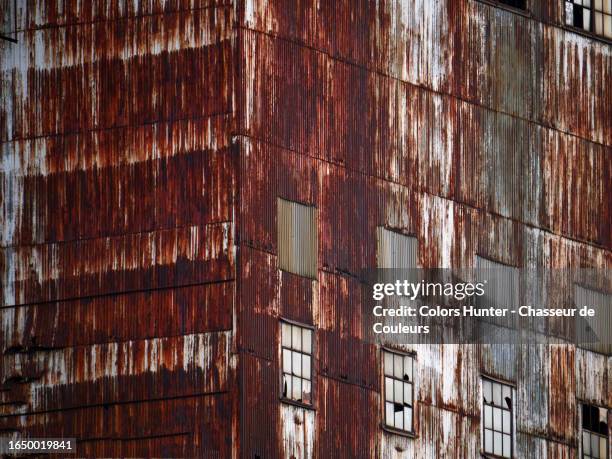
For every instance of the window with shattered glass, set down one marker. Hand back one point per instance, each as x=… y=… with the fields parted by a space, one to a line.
x=398 y=390
x=593 y=16
x=497 y=418
x=594 y=432
x=296 y=362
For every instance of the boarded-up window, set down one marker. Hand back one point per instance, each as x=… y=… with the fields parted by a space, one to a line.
x=497 y=418
x=297 y=238
x=501 y=289
x=502 y=282
x=590 y=15
x=600 y=324
x=398 y=372
x=396 y=250
x=296 y=350
x=594 y=432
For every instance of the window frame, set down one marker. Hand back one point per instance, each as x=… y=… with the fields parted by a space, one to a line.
x=580 y=30
x=512 y=387
x=412 y=433
x=281 y=372
x=581 y=452
x=513 y=9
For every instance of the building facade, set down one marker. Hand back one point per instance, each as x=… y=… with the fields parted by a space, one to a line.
x=190 y=191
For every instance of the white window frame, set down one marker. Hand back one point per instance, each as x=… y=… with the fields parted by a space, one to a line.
x=295 y=348
x=498 y=431
x=394 y=380
x=598 y=14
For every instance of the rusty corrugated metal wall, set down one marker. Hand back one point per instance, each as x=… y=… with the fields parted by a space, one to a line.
x=145 y=145
x=117 y=226
x=479 y=130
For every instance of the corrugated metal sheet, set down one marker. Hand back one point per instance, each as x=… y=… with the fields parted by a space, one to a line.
x=439 y=120
x=117 y=232
x=144 y=145
x=601 y=324
x=297 y=238
x=396 y=250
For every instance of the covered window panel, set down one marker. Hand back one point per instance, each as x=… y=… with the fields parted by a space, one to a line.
x=597 y=337
x=395 y=250
x=398 y=374
x=296 y=352
x=297 y=238
x=502 y=290
x=590 y=15
x=595 y=432
x=497 y=418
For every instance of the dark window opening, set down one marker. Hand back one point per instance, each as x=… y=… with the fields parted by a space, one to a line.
x=593 y=16
x=8 y=21
x=520 y=4
x=594 y=432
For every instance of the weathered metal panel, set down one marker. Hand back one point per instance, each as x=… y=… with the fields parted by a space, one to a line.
x=105 y=319
x=161 y=258
x=259 y=407
x=117 y=227
x=337 y=401
x=592 y=378
x=508 y=166
x=395 y=250
x=297 y=238
x=456 y=48
x=199 y=427
x=137 y=181
x=298 y=428
x=116 y=372
x=562 y=403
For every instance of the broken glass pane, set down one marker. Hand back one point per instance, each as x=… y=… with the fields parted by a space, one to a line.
x=486 y=391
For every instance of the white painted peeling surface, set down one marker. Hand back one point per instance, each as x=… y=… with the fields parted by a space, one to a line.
x=298 y=428
x=592 y=382
x=32 y=52
x=75 y=365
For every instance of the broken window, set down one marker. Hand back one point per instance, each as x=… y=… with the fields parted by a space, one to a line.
x=497 y=415
x=590 y=15
x=296 y=349
x=594 y=432
x=398 y=372
x=297 y=238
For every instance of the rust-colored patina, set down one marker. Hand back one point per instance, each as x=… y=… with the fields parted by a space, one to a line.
x=144 y=145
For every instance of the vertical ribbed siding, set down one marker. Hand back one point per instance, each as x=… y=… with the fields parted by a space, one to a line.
x=601 y=323
x=396 y=250
x=502 y=288
x=297 y=238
